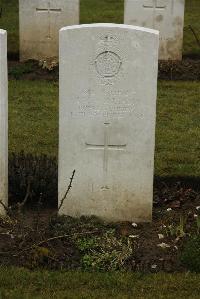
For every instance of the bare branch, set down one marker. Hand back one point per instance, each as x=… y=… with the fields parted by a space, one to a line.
x=56 y=238
x=7 y=209
x=195 y=35
x=20 y=205
x=68 y=189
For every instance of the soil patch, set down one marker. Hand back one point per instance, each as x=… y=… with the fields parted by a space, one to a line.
x=35 y=236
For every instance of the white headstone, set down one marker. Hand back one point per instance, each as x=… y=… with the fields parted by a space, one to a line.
x=108 y=85
x=167 y=16
x=40 y=22
x=3 y=121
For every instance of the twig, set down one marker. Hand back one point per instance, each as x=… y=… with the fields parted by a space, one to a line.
x=68 y=189
x=20 y=205
x=55 y=238
x=66 y=236
x=195 y=35
x=7 y=209
x=39 y=203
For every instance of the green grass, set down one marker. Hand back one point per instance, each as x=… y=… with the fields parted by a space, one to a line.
x=9 y=21
x=104 y=11
x=33 y=117
x=20 y=284
x=192 y=17
x=33 y=123
x=94 y=11
x=178 y=132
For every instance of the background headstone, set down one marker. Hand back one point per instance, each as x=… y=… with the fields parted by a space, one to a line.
x=167 y=16
x=3 y=121
x=40 y=22
x=107 y=120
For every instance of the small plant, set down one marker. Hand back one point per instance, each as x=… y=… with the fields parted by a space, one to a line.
x=39 y=256
x=104 y=253
x=87 y=243
x=177 y=230
x=180 y=230
x=49 y=64
x=171 y=230
x=191 y=254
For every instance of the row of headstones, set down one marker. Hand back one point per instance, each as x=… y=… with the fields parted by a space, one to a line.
x=108 y=87
x=40 y=21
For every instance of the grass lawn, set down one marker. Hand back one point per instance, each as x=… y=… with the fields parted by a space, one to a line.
x=19 y=283
x=94 y=11
x=33 y=123
x=33 y=117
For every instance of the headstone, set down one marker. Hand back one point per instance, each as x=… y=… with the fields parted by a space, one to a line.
x=40 y=22
x=3 y=122
x=167 y=16
x=107 y=120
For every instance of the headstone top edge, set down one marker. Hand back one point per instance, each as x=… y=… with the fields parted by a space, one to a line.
x=3 y=32
x=111 y=25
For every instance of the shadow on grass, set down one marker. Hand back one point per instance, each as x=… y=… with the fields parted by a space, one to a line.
x=183 y=181
x=41 y=173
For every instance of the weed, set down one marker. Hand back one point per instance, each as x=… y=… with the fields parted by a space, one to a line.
x=106 y=252
x=180 y=230
x=177 y=230
x=38 y=256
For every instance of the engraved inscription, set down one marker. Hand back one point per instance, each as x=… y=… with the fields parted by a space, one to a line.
x=108 y=41
x=108 y=64
x=116 y=104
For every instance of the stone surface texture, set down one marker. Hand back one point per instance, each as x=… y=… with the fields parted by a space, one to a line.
x=108 y=86
x=166 y=16
x=40 y=22
x=3 y=121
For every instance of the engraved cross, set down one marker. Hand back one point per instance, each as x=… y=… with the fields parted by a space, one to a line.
x=49 y=11
x=106 y=147
x=155 y=5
